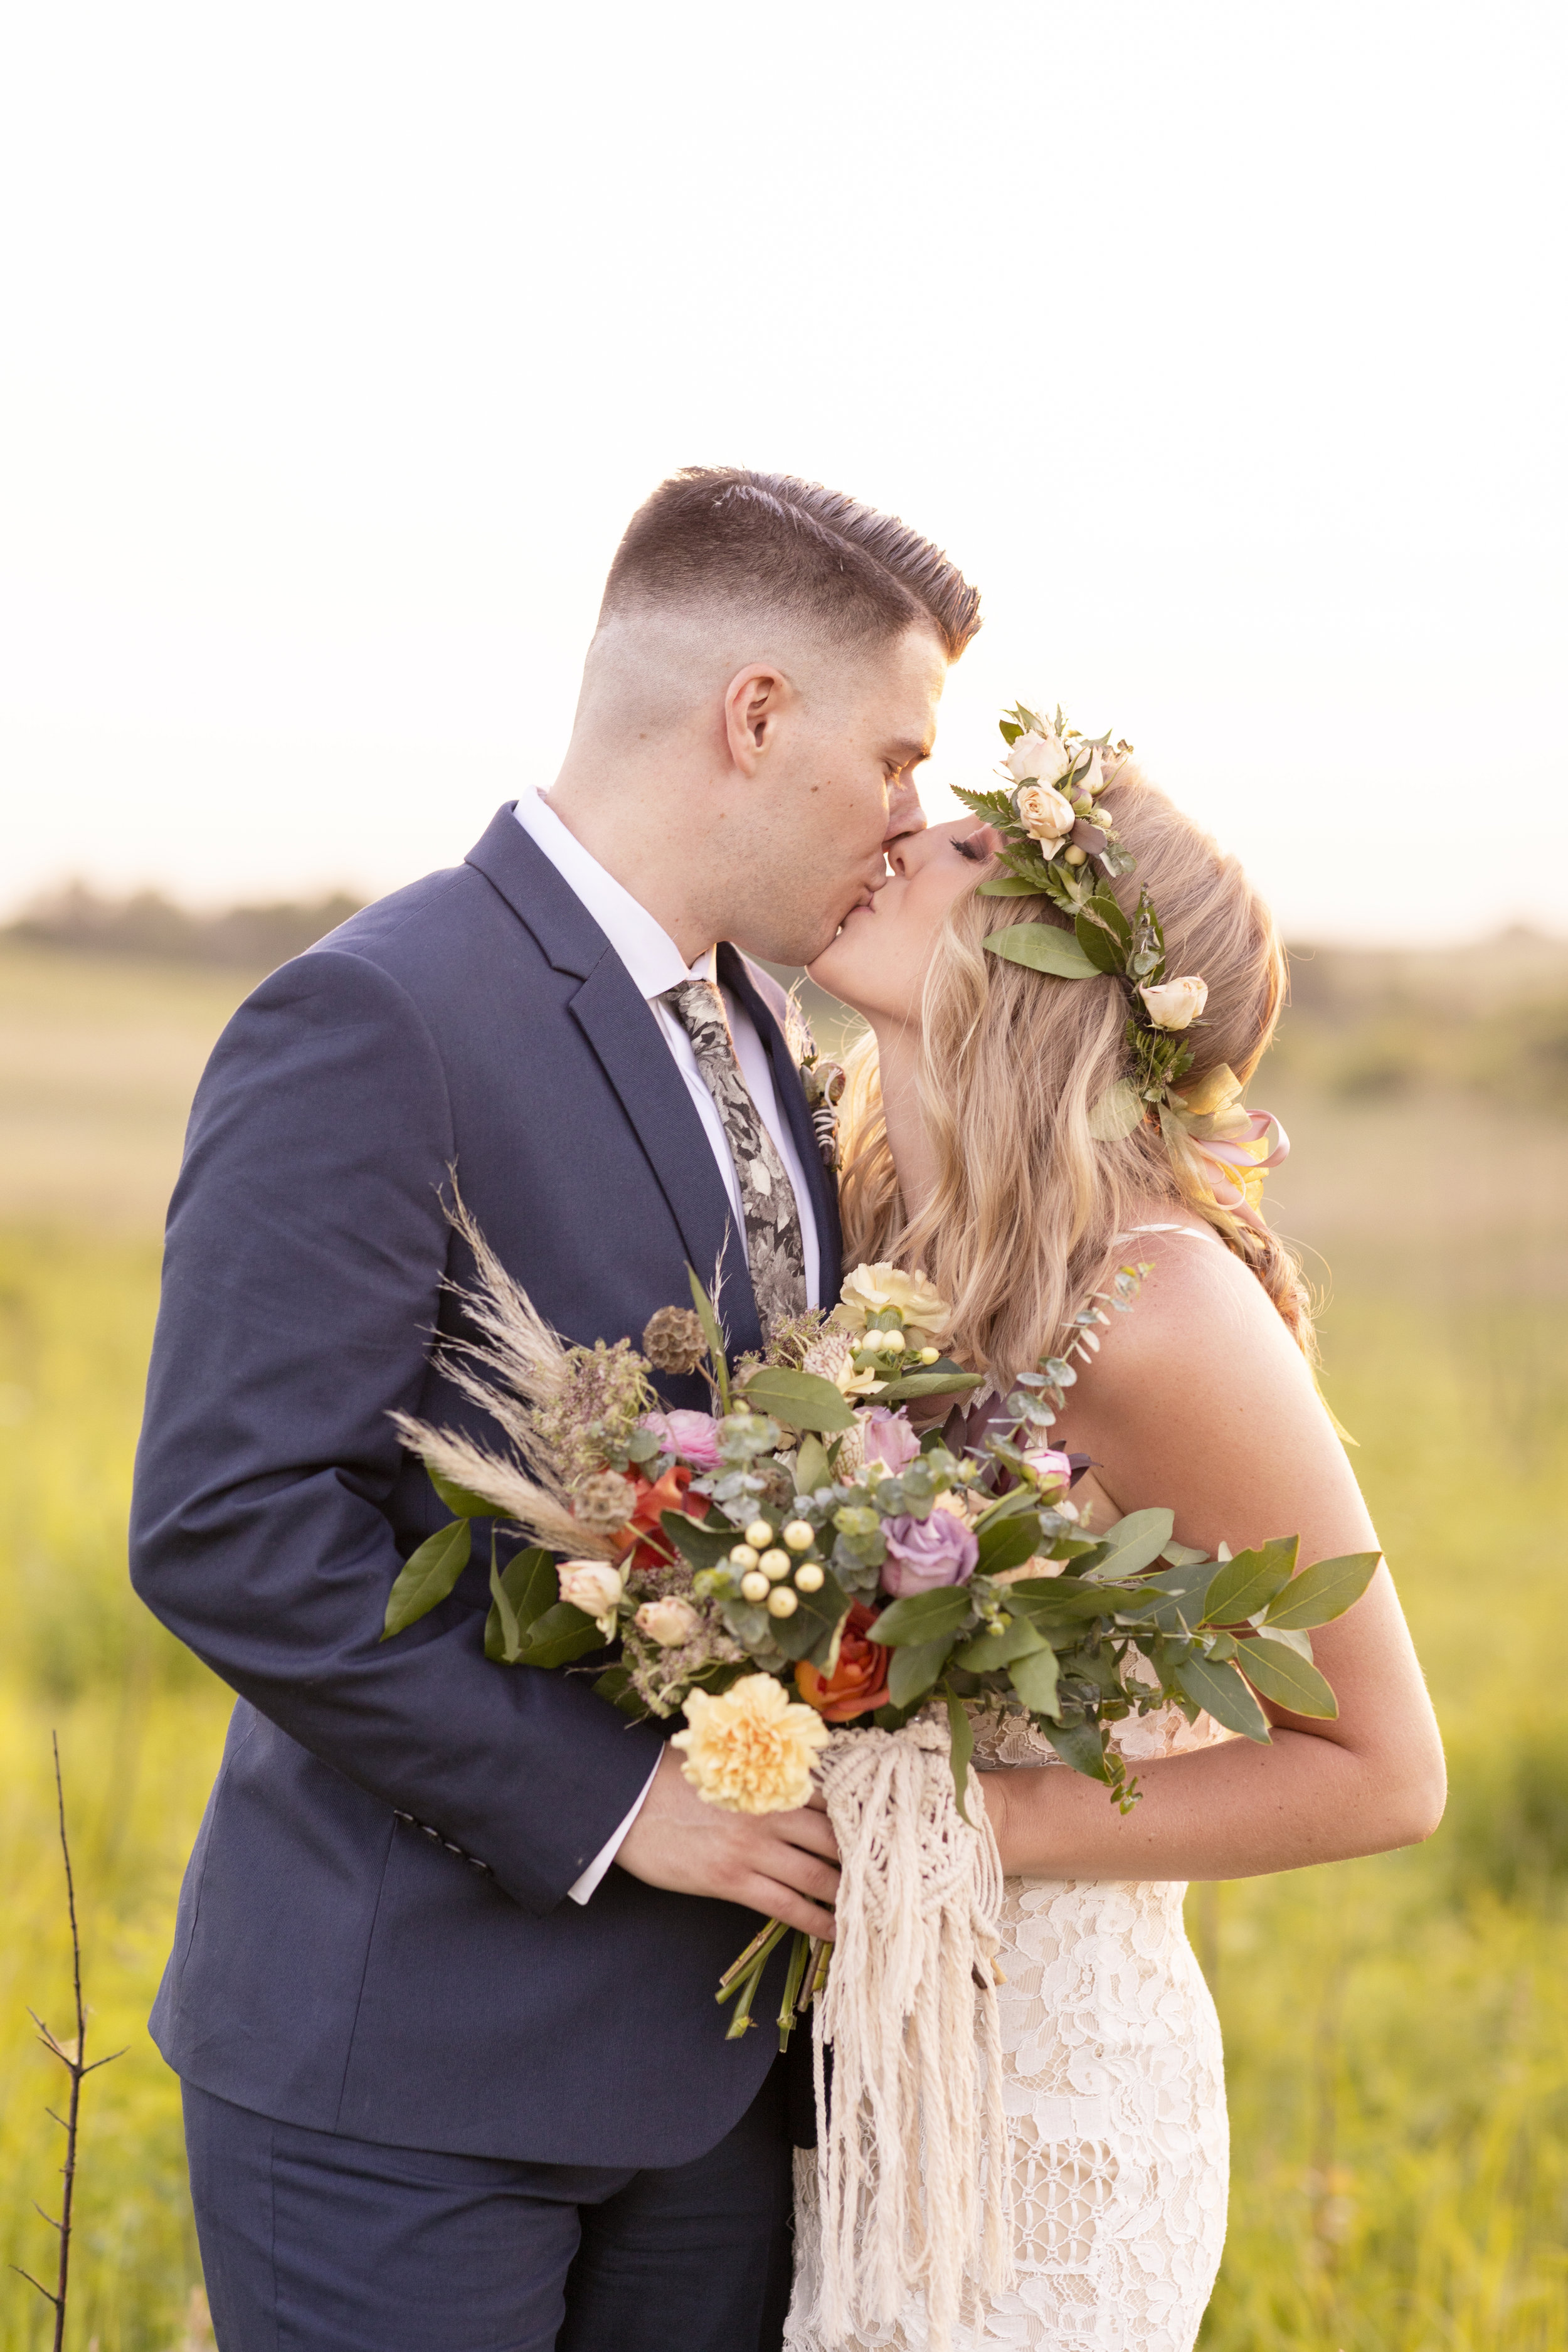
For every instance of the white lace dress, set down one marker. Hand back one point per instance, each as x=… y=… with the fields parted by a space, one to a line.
x=1114 y=2090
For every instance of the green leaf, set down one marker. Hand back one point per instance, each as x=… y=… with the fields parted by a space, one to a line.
x=800 y=1399
x=816 y=1620
x=1010 y=733
x=1065 y=1600
x=459 y=1500
x=1221 y=1690
x=701 y=1543
x=1134 y=1542
x=507 y=1646
x=1035 y=1680
x=1016 y=1500
x=1118 y=1112
x=1282 y=1675
x=1044 y=947
x=714 y=1336
x=811 y=1468
x=1325 y=1591
x=426 y=1577
x=1008 y=1543
x=561 y=1635
x=1081 y=1744
x=914 y=1668
x=1181 y=1555
x=932 y=1381
x=986 y=1651
x=923 y=1617
x=961 y=1732
x=1105 y=953
x=1105 y=911
x=1243 y=1586
x=529 y=1586
x=1007 y=885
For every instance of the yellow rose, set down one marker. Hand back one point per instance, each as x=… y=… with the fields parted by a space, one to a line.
x=669 y=1622
x=1038 y=759
x=1176 y=1004
x=872 y=1289
x=750 y=1750
x=595 y=1589
x=1046 y=816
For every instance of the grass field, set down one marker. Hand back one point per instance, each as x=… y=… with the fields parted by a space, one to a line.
x=1396 y=2030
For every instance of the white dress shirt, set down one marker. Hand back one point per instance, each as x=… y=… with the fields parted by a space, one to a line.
x=655 y=964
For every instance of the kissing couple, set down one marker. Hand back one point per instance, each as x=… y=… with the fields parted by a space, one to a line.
x=442 y=1989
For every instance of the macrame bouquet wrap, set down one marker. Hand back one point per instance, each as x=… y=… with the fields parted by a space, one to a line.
x=911 y=2189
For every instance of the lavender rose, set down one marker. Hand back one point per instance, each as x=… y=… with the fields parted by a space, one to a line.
x=693 y=1436
x=888 y=1438
x=923 y=1554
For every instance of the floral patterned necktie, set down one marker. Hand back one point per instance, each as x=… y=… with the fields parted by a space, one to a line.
x=775 y=1246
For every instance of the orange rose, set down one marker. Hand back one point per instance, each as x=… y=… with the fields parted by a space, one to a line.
x=643 y=1531
x=858 y=1682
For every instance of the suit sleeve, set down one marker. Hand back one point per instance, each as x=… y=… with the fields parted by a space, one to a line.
x=306 y=1245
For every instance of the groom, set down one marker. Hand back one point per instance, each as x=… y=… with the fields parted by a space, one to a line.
x=441 y=1993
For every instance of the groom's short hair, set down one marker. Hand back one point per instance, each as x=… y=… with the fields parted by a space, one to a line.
x=714 y=533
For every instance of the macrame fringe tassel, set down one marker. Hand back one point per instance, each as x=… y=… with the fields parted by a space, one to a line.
x=912 y=2182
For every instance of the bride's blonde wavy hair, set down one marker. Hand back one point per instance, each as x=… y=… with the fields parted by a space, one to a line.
x=1028 y=1209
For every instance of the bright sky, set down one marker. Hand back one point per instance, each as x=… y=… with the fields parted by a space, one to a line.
x=1221 y=343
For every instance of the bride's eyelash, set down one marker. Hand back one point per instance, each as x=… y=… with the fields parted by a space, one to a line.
x=966 y=848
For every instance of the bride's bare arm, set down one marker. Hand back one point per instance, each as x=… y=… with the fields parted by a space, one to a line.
x=1201 y=1401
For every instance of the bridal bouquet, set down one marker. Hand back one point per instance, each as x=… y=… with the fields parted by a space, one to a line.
x=828 y=1597
x=800 y=1558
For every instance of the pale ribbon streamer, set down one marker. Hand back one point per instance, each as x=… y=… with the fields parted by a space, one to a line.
x=1212 y=1124
x=912 y=2177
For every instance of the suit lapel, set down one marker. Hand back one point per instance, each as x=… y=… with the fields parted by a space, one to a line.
x=790 y=1096
x=639 y=1065
x=626 y=1040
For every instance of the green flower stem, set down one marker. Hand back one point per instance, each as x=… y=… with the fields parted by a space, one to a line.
x=761 y=1943
x=798 y=1961
x=808 y=1988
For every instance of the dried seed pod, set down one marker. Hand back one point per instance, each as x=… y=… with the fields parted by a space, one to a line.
x=673 y=1341
x=603 y=1503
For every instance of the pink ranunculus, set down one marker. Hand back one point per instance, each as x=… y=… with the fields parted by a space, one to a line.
x=1050 y=1467
x=694 y=1436
x=924 y=1554
x=888 y=1438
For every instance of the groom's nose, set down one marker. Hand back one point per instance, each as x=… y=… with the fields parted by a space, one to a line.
x=905 y=813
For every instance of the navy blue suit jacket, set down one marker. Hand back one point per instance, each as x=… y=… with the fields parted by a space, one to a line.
x=373 y=1935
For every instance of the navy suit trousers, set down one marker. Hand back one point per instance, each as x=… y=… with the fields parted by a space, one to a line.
x=312 y=2243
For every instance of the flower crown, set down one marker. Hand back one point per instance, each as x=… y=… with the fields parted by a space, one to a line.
x=1058 y=843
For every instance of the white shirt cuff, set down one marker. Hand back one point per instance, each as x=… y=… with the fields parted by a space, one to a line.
x=581 y=1888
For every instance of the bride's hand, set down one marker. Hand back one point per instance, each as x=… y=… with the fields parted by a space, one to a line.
x=785 y=1866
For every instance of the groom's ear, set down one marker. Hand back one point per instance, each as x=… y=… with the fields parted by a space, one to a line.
x=755 y=701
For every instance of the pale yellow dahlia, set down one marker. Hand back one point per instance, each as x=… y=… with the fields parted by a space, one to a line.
x=871 y=1289
x=750 y=1750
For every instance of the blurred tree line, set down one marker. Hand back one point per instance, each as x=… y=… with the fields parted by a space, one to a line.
x=148 y=924
x=1364 y=1023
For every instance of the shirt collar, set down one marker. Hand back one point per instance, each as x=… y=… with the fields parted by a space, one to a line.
x=643 y=945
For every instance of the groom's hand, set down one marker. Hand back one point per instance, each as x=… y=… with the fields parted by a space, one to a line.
x=785 y=1866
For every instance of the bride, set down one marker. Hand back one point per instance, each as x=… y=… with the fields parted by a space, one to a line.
x=967 y=1149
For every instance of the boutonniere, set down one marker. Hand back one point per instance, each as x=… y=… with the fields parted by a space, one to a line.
x=822 y=1082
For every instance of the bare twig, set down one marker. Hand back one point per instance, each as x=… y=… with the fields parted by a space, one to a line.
x=72 y=2056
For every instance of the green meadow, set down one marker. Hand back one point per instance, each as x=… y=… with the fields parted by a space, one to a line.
x=1396 y=2030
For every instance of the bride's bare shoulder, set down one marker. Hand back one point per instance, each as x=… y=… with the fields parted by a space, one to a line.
x=1201 y=1320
